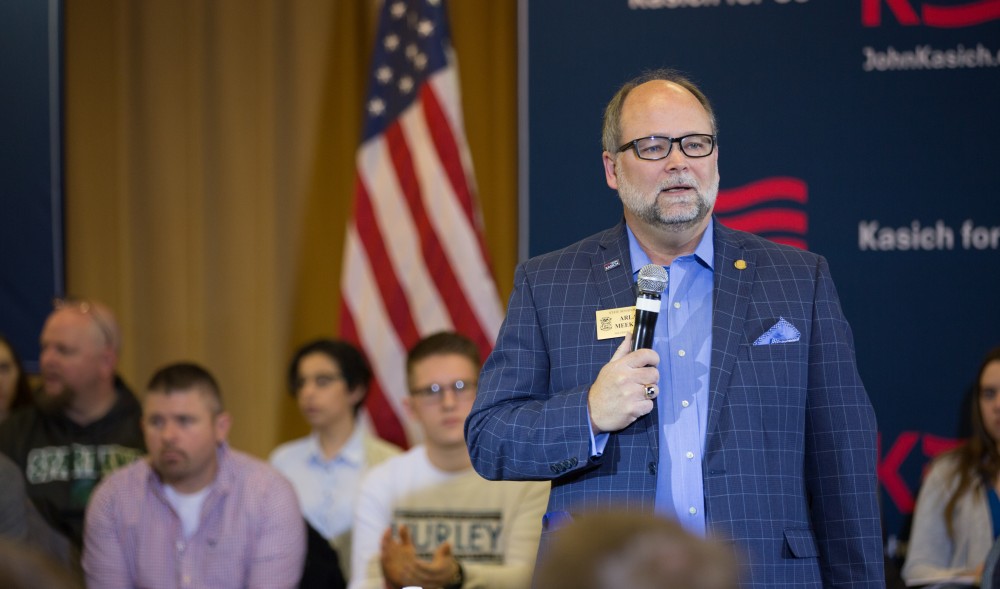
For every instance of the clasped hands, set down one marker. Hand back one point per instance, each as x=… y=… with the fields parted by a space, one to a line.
x=619 y=395
x=401 y=566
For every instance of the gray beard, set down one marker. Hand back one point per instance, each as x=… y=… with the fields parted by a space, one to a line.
x=649 y=211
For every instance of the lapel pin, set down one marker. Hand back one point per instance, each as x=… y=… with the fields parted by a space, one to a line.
x=740 y=264
x=612 y=265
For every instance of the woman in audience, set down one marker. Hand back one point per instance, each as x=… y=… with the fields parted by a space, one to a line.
x=329 y=379
x=14 y=389
x=957 y=517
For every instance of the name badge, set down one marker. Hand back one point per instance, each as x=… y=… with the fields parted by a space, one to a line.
x=615 y=322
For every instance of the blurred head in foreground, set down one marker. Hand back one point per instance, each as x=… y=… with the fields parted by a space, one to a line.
x=612 y=550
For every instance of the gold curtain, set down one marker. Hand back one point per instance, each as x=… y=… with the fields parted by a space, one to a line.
x=209 y=174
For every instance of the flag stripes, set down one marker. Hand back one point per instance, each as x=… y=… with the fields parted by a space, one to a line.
x=415 y=259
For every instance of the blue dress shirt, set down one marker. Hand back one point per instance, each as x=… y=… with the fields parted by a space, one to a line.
x=683 y=340
x=326 y=489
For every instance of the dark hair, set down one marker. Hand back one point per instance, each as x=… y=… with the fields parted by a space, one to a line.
x=440 y=344
x=22 y=388
x=184 y=376
x=612 y=549
x=611 y=133
x=352 y=363
x=978 y=460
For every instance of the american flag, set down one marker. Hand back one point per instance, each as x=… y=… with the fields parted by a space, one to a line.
x=414 y=260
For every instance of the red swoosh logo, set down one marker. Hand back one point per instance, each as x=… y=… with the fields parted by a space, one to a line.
x=771 y=208
x=948 y=17
x=783 y=220
x=768 y=189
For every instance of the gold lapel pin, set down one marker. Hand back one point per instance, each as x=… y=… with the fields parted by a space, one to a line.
x=740 y=264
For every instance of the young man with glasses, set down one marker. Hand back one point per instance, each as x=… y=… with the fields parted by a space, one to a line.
x=85 y=422
x=746 y=421
x=425 y=518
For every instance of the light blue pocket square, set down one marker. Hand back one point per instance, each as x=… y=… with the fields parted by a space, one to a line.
x=781 y=332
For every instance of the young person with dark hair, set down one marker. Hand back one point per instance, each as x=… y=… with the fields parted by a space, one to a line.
x=957 y=516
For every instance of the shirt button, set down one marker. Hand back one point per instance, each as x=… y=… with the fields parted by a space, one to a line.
x=681 y=353
x=180 y=546
x=685 y=403
x=690 y=455
x=692 y=510
x=677 y=305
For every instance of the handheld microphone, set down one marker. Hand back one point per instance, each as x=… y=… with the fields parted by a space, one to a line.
x=651 y=284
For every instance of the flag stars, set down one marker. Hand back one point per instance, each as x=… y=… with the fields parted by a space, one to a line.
x=420 y=62
x=425 y=28
x=412 y=51
x=398 y=9
x=391 y=42
x=376 y=107
x=406 y=84
x=383 y=74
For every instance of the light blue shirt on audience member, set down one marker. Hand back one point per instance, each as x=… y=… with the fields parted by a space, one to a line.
x=326 y=488
x=683 y=340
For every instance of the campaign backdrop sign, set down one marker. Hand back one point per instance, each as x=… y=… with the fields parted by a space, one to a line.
x=31 y=238
x=864 y=130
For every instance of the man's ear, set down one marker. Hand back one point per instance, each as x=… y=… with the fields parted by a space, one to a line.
x=408 y=406
x=610 y=174
x=356 y=394
x=109 y=362
x=222 y=424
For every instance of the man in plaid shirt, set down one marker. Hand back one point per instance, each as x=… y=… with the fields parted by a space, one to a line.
x=195 y=513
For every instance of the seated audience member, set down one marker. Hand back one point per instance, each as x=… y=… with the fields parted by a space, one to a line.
x=23 y=567
x=991 y=571
x=15 y=392
x=194 y=513
x=957 y=516
x=425 y=518
x=329 y=380
x=84 y=421
x=618 y=550
x=20 y=521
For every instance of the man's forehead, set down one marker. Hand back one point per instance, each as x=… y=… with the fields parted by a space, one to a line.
x=444 y=366
x=662 y=97
x=191 y=400
x=70 y=324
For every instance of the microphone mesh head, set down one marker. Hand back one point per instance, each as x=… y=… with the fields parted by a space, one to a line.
x=652 y=279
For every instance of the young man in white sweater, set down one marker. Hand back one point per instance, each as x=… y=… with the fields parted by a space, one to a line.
x=425 y=518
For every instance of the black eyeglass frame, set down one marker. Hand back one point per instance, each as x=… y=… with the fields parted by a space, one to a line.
x=634 y=145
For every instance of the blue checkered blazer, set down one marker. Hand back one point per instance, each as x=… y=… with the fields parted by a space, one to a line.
x=790 y=456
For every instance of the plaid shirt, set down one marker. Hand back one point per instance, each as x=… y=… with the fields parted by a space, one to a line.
x=251 y=532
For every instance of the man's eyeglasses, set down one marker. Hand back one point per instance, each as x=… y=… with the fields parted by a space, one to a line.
x=434 y=393
x=657 y=148
x=85 y=307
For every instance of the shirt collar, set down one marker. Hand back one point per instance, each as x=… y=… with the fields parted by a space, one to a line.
x=704 y=253
x=352 y=453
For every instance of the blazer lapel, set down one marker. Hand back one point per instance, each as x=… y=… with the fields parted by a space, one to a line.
x=613 y=274
x=733 y=280
x=613 y=269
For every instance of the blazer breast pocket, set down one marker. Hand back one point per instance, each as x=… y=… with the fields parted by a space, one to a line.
x=772 y=375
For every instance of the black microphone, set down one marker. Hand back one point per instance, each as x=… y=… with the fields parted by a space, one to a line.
x=651 y=284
